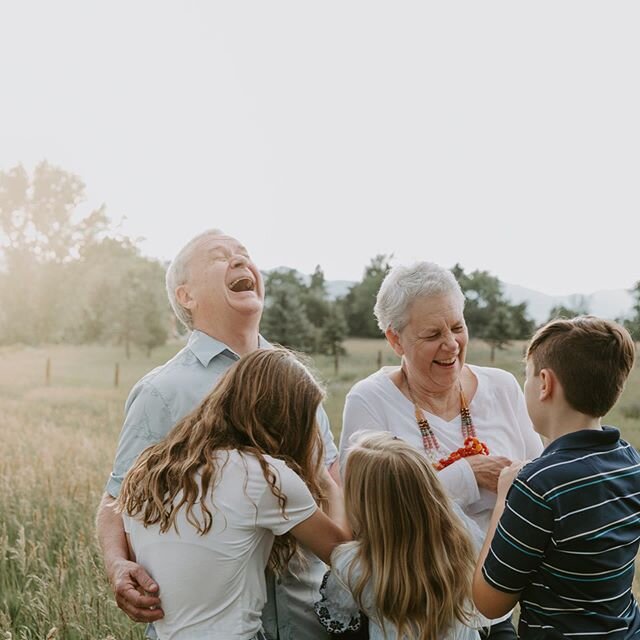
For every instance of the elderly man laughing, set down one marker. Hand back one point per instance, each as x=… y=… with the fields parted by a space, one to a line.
x=217 y=292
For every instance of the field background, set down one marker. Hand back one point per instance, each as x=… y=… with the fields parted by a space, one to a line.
x=57 y=443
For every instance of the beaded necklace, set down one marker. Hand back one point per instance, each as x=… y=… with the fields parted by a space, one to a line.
x=472 y=445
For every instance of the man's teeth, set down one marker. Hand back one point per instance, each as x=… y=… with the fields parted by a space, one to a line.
x=451 y=361
x=242 y=284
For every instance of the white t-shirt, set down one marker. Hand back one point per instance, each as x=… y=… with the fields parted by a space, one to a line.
x=498 y=412
x=213 y=586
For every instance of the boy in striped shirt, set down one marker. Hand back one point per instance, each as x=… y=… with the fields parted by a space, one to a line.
x=564 y=542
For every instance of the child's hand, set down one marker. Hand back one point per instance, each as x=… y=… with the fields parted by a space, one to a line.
x=507 y=476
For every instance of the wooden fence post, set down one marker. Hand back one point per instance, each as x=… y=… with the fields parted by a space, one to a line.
x=379 y=359
x=116 y=377
x=47 y=373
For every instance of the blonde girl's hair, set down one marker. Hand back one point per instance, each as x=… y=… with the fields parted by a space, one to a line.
x=412 y=550
x=265 y=404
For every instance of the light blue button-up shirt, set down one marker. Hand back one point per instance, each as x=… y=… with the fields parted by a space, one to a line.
x=167 y=394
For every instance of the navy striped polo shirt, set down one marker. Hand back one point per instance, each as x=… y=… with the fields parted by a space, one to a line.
x=568 y=539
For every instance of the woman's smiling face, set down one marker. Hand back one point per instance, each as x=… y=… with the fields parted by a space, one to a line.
x=433 y=342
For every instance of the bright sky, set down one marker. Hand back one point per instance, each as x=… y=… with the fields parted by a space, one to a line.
x=502 y=135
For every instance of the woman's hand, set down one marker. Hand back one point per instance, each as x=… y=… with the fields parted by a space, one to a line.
x=487 y=470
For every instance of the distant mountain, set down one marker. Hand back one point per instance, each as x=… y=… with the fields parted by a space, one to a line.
x=338 y=288
x=612 y=304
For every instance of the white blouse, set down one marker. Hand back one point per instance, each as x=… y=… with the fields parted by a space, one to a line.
x=213 y=586
x=498 y=412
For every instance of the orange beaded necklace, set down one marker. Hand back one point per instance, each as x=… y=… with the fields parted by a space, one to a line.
x=472 y=445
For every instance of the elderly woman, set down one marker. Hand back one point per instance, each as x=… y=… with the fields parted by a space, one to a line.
x=469 y=421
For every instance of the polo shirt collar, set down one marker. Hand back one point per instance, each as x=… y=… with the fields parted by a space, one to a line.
x=585 y=439
x=206 y=348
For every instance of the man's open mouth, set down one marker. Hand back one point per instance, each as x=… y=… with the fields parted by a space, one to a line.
x=243 y=284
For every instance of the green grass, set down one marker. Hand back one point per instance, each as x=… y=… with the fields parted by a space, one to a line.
x=57 y=445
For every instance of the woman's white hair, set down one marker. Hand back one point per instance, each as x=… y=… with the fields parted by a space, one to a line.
x=404 y=284
x=178 y=274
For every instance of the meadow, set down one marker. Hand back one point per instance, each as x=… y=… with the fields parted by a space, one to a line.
x=57 y=441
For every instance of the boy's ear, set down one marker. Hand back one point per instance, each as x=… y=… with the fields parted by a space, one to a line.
x=548 y=382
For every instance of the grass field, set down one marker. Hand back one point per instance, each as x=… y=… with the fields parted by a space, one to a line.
x=56 y=448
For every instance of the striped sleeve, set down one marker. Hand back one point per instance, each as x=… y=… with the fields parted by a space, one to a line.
x=520 y=541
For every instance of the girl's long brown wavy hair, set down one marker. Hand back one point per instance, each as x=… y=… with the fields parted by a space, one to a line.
x=412 y=549
x=265 y=404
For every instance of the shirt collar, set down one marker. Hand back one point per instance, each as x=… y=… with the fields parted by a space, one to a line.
x=584 y=439
x=206 y=348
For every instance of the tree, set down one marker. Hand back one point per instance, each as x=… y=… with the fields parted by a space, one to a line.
x=315 y=299
x=122 y=297
x=488 y=315
x=301 y=316
x=40 y=238
x=333 y=334
x=359 y=302
x=632 y=323
x=499 y=331
x=285 y=320
x=66 y=276
x=562 y=311
x=37 y=214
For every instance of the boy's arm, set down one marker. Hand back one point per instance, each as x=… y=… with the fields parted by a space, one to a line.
x=488 y=600
x=514 y=548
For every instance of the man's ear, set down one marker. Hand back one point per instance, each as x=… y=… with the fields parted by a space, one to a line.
x=184 y=297
x=548 y=383
x=394 y=340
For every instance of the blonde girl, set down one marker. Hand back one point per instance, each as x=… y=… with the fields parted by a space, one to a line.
x=410 y=566
x=203 y=507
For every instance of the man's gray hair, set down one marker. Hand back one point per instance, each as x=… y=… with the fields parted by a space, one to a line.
x=404 y=284
x=178 y=274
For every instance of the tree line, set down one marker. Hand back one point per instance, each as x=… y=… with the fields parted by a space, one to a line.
x=70 y=278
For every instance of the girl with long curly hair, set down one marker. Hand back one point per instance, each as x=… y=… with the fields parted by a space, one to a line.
x=234 y=487
x=410 y=566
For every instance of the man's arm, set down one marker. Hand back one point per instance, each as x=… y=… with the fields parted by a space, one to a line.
x=135 y=591
x=147 y=420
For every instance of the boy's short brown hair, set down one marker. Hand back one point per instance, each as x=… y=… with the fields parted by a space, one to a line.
x=590 y=356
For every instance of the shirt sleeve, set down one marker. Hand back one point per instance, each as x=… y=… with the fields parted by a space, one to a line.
x=330 y=450
x=476 y=534
x=520 y=541
x=147 y=420
x=358 y=415
x=460 y=483
x=300 y=503
x=337 y=609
